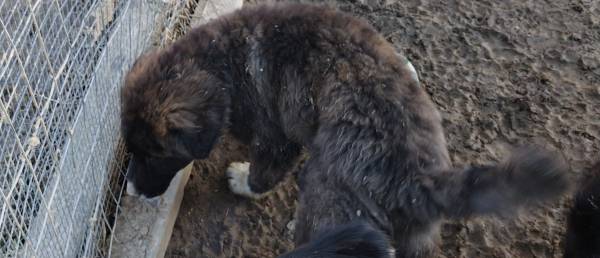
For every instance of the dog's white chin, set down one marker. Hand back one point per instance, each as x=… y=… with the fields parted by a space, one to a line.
x=131 y=190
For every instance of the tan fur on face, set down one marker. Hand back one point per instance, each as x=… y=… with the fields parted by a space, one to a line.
x=135 y=100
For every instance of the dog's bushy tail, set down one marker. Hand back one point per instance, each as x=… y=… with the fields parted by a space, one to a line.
x=529 y=176
x=583 y=226
x=356 y=240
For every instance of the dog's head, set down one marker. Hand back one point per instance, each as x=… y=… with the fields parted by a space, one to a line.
x=172 y=112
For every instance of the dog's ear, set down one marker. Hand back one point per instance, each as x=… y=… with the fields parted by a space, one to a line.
x=175 y=117
x=177 y=70
x=191 y=111
x=181 y=119
x=180 y=98
x=191 y=134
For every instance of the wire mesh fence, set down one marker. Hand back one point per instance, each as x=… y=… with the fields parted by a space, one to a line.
x=61 y=157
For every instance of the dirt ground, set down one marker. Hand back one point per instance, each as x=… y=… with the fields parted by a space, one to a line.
x=500 y=72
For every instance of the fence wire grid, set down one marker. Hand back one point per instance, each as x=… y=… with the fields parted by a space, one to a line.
x=61 y=66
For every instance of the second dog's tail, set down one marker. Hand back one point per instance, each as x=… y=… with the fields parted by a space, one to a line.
x=529 y=176
x=356 y=240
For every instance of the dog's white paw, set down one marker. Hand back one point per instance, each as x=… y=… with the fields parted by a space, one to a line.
x=238 y=173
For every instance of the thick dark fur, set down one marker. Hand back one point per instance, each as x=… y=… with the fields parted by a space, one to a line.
x=355 y=240
x=583 y=228
x=288 y=75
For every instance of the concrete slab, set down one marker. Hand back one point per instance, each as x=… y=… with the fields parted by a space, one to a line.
x=144 y=228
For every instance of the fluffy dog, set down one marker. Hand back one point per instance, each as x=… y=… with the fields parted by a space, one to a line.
x=583 y=228
x=286 y=76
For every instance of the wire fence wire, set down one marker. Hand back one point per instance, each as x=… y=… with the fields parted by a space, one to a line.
x=62 y=63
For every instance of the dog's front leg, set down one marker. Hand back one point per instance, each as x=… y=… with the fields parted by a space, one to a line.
x=267 y=167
